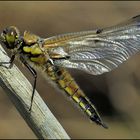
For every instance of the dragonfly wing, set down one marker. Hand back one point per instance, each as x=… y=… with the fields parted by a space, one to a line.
x=103 y=51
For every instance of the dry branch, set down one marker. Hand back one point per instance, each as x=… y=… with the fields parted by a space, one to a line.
x=40 y=119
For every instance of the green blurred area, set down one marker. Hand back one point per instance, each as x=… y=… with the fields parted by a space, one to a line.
x=115 y=94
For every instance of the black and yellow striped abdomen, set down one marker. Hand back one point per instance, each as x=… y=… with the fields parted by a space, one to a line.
x=65 y=81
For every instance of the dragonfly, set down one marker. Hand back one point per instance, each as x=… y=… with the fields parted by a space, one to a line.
x=94 y=51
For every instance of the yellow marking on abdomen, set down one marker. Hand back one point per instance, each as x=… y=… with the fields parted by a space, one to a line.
x=67 y=83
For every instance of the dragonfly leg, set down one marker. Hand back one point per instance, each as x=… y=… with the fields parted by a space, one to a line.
x=33 y=72
x=10 y=62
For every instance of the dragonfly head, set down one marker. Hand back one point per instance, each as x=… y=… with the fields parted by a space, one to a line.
x=9 y=36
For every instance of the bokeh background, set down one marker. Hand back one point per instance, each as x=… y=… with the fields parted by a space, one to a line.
x=115 y=94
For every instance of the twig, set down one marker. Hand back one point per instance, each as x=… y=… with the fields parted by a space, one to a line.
x=18 y=88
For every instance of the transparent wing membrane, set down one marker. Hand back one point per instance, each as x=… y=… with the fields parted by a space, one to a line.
x=97 y=53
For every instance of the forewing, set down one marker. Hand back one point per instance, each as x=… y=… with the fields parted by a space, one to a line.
x=99 y=52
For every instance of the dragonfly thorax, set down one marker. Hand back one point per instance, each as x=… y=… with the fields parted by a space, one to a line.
x=33 y=49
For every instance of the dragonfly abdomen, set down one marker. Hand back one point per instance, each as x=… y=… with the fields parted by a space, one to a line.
x=65 y=81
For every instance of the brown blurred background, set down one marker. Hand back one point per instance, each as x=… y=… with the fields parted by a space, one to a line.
x=115 y=94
